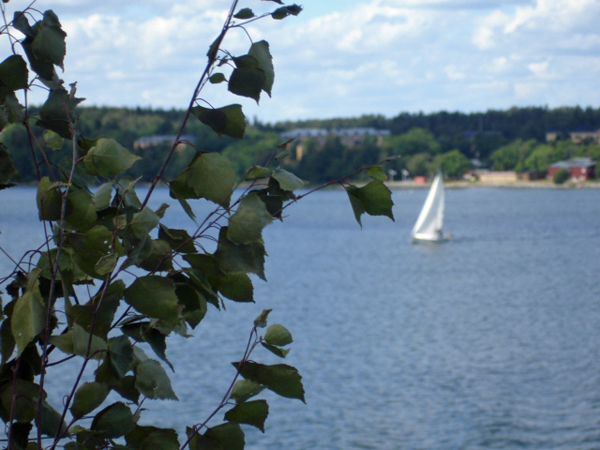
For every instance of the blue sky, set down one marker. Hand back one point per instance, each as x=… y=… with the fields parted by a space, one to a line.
x=342 y=58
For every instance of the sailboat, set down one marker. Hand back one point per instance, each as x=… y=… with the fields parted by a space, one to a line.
x=431 y=219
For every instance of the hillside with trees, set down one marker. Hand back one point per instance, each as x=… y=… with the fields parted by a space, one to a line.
x=419 y=143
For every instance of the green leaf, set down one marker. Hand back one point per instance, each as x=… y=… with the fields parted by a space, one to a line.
x=155 y=297
x=126 y=192
x=29 y=316
x=7 y=340
x=107 y=159
x=21 y=23
x=245 y=389
x=261 y=321
x=257 y=173
x=113 y=421
x=287 y=180
x=143 y=332
x=294 y=9
x=278 y=351
x=278 y=335
x=154 y=256
x=174 y=192
x=260 y=51
x=152 y=381
x=99 y=311
x=19 y=434
x=377 y=173
x=12 y=108
x=244 y=13
x=237 y=287
x=49 y=200
x=90 y=247
x=102 y=196
x=81 y=210
x=217 y=78
x=282 y=379
x=179 y=240
x=106 y=264
x=51 y=423
x=209 y=176
x=280 y=13
x=229 y=436
x=23 y=394
x=13 y=72
x=374 y=199
x=57 y=114
x=120 y=351
x=251 y=413
x=233 y=258
x=49 y=42
x=228 y=120
x=84 y=344
x=143 y=438
x=194 y=304
x=205 y=264
x=248 y=82
x=143 y=222
x=53 y=140
x=283 y=12
x=88 y=397
x=8 y=171
x=246 y=225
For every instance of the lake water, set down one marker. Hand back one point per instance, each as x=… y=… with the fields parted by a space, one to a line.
x=488 y=341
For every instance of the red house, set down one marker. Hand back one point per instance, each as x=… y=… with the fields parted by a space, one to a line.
x=581 y=169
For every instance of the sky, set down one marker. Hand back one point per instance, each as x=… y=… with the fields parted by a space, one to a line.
x=340 y=58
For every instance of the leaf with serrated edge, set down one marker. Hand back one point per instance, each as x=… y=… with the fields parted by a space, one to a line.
x=251 y=413
x=152 y=381
x=260 y=51
x=143 y=222
x=154 y=296
x=375 y=199
x=377 y=173
x=229 y=435
x=102 y=196
x=287 y=180
x=245 y=389
x=234 y=258
x=282 y=379
x=28 y=317
x=113 y=421
x=108 y=158
x=278 y=351
x=235 y=286
x=247 y=82
x=246 y=225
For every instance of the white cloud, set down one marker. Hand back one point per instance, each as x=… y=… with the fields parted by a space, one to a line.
x=372 y=57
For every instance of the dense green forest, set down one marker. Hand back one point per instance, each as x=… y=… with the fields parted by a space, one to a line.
x=513 y=139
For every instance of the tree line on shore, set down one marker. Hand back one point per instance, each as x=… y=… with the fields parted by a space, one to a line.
x=419 y=143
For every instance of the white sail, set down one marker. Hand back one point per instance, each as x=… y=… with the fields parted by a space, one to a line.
x=431 y=219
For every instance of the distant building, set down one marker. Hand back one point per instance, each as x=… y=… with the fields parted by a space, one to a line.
x=581 y=169
x=577 y=135
x=531 y=175
x=497 y=177
x=161 y=139
x=350 y=137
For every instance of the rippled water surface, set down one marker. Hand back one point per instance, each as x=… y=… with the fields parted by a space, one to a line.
x=488 y=341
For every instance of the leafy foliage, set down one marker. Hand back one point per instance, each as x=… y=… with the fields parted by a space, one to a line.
x=113 y=275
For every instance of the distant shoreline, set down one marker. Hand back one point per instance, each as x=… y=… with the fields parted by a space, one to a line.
x=460 y=184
